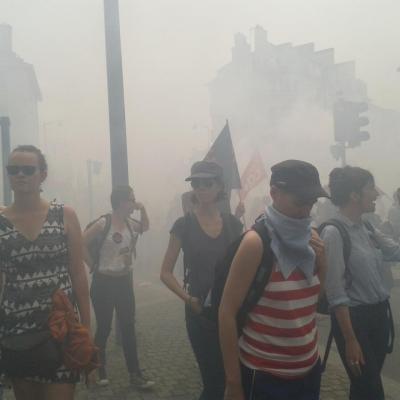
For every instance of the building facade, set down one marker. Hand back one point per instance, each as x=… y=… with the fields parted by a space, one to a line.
x=19 y=92
x=279 y=99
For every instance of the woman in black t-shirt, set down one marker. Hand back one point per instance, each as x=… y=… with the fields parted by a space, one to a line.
x=203 y=235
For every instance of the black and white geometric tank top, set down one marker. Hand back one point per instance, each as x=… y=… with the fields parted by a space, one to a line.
x=32 y=271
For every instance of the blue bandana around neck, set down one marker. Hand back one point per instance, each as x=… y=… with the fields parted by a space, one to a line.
x=290 y=238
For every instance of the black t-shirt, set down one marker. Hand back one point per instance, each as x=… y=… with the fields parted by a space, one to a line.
x=201 y=251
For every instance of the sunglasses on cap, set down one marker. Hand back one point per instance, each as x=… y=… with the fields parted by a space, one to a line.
x=27 y=170
x=206 y=183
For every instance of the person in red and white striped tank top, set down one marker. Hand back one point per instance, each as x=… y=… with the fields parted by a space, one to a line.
x=281 y=334
x=276 y=357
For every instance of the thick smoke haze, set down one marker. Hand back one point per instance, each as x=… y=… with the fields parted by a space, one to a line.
x=171 y=51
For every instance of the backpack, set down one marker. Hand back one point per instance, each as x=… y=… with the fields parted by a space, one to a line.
x=256 y=288
x=96 y=244
x=323 y=306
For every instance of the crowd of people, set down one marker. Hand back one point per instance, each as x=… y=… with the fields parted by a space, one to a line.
x=257 y=338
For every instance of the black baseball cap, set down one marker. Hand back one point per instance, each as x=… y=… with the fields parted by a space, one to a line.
x=299 y=178
x=205 y=169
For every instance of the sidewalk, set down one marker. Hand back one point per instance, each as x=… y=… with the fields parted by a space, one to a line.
x=167 y=358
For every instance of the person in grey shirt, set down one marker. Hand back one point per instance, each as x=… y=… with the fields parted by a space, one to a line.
x=355 y=289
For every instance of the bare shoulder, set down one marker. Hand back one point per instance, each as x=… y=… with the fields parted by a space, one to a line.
x=244 y=267
x=69 y=213
x=252 y=242
x=71 y=221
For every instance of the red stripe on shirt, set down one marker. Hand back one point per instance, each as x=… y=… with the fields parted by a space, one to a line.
x=261 y=363
x=284 y=314
x=284 y=350
x=296 y=294
x=281 y=332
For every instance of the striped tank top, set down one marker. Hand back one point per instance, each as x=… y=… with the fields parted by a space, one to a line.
x=280 y=336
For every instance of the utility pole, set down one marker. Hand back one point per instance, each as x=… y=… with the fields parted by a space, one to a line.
x=5 y=151
x=338 y=152
x=90 y=187
x=116 y=104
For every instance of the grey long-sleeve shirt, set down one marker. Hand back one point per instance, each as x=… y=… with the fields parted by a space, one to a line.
x=361 y=282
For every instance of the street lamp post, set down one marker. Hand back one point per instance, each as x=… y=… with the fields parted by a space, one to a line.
x=93 y=168
x=116 y=105
x=90 y=187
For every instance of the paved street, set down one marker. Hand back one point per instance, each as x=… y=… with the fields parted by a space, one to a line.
x=166 y=356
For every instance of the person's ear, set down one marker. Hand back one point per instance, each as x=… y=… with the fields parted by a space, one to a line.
x=355 y=197
x=43 y=176
x=274 y=192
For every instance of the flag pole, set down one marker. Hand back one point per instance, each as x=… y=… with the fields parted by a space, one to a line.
x=244 y=215
x=244 y=222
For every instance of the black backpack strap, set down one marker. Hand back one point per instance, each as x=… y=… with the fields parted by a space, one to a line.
x=371 y=230
x=260 y=227
x=264 y=270
x=391 y=329
x=327 y=349
x=369 y=226
x=101 y=239
x=344 y=234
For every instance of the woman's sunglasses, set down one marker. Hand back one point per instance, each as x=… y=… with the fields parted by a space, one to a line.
x=206 y=183
x=27 y=170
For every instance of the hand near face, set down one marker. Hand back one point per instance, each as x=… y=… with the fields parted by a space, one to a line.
x=319 y=248
x=138 y=206
x=240 y=210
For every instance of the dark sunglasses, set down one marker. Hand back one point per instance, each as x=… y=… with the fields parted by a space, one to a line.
x=304 y=202
x=27 y=170
x=202 y=182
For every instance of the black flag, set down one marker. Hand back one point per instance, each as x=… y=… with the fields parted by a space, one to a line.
x=223 y=153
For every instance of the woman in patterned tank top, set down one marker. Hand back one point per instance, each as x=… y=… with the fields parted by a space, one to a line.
x=40 y=251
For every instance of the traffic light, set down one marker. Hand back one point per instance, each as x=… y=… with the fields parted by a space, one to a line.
x=337 y=151
x=348 y=122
